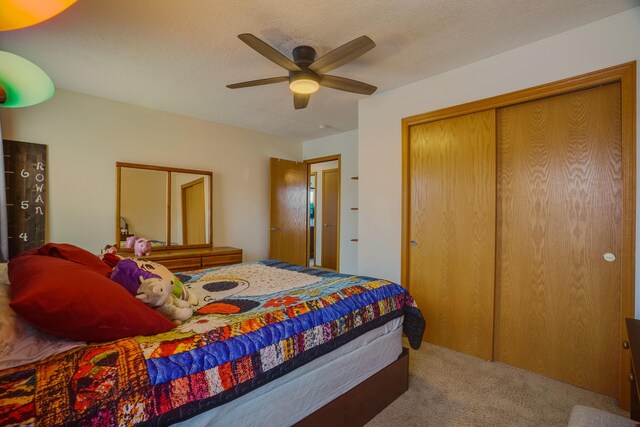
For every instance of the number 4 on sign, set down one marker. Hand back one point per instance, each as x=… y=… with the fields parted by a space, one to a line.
x=23 y=236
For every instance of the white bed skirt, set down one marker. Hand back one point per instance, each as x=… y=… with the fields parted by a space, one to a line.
x=299 y=393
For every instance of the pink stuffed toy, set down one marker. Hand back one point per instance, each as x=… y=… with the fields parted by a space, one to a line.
x=131 y=241
x=142 y=247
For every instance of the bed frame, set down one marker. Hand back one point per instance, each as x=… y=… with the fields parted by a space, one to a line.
x=363 y=402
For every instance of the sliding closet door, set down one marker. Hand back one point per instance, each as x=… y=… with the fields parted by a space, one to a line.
x=452 y=228
x=559 y=237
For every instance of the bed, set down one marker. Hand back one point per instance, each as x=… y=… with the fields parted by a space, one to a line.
x=270 y=343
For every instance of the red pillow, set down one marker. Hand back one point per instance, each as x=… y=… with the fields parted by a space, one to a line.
x=72 y=253
x=71 y=300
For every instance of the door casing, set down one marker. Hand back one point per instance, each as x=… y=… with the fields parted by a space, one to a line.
x=315 y=228
x=188 y=220
x=315 y=160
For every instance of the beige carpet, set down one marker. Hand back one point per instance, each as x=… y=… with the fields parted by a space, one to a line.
x=452 y=389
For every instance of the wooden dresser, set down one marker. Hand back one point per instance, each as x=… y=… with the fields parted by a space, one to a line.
x=193 y=259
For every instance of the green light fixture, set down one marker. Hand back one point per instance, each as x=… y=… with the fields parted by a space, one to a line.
x=22 y=83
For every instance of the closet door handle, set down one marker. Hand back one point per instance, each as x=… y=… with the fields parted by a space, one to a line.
x=327 y=225
x=413 y=243
x=274 y=229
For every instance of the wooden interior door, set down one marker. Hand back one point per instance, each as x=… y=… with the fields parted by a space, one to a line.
x=452 y=227
x=330 y=212
x=559 y=211
x=193 y=217
x=288 y=217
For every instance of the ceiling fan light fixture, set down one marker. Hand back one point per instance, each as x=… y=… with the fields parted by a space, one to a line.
x=306 y=74
x=304 y=85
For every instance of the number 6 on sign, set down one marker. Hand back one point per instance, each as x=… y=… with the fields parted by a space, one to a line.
x=23 y=236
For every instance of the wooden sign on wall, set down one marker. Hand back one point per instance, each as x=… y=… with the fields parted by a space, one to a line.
x=25 y=167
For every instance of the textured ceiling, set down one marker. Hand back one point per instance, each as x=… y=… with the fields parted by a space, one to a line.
x=178 y=55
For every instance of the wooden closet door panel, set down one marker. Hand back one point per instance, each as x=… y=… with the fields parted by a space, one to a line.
x=451 y=269
x=559 y=210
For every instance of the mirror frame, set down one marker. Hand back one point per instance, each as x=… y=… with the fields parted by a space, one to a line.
x=169 y=170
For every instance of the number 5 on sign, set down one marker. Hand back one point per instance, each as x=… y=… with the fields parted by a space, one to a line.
x=23 y=236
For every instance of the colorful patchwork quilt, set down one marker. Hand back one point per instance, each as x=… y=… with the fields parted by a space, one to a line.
x=254 y=323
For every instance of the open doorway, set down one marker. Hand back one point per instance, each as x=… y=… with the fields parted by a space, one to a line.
x=313 y=177
x=323 y=221
x=193 y=212
x=298 y=216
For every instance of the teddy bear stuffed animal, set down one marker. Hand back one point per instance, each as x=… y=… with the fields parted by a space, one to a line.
x=157 y=293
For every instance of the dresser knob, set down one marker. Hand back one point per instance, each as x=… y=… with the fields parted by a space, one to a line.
x=625 y=345
x=630 y=377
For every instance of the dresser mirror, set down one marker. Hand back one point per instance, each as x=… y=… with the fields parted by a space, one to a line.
x=169 y=206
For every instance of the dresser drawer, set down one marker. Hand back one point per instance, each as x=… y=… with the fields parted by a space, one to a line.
x=194 y=259
x=217 y=260
x=181 y=264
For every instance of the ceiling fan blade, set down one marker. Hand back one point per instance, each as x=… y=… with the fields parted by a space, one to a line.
x=301 y=100
x=268 y=52
x=258 y=82
x=347 y=85
x=343 y=54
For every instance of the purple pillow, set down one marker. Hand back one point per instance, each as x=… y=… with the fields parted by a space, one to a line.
x=127 y=272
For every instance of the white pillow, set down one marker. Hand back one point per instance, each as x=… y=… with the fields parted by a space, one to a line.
x=20 y=343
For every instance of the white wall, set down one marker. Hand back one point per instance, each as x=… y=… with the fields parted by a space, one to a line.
x=143 y=202
x=345 y=144
x=86 y=135
x=611 y=41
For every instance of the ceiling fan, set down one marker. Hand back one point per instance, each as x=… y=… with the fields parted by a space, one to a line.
x=306 y=73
